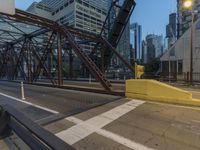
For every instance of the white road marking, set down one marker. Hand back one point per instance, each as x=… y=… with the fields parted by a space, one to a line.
x=84 y=129
x=115 y=137
x=29 y=103
x=123 y=141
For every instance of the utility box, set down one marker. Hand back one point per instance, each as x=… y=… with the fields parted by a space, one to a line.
x=7 y=7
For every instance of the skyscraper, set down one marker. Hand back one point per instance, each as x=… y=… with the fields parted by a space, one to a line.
x=154 y=46
x=171 y=29
x=123 y=47
x=87 y=15
x=184 y=16
x=136 y=40
x=159 y=44
x=144 y=52
x=151 y=50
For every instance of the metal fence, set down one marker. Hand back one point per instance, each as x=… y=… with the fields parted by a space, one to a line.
x=174 y=77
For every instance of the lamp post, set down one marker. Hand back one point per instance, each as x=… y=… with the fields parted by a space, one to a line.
x=191 y=49
x=188 y=4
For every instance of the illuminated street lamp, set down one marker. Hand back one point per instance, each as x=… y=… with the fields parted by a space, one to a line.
x=188 y=5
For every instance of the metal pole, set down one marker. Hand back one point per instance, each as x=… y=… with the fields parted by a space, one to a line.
x=22 y=91
x=169 y=70
x=59 y=53
x=135 y=70
x=191 y=49
x=70 y=64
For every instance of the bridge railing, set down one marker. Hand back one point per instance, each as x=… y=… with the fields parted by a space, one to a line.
x=31 y=133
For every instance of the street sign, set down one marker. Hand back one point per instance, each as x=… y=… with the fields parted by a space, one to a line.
x=7 y=7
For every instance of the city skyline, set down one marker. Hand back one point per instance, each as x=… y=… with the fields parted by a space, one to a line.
x=153 y=16
x=154 y=23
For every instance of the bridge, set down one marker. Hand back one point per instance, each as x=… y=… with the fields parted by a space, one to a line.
x=42 y=108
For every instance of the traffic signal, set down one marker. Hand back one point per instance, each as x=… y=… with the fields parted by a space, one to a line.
x=139 y=71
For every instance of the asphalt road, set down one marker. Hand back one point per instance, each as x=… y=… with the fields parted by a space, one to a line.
x=41 y=103
x=63 y=101
x=121 y=124
x=132 y=125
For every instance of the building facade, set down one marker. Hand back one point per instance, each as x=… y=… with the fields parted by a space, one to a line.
x=136 y=40
x=87 y=15
x=184 y=16
x=82 y=14
x=150 y=44
x=144 y=52
x=171 y=30
x=178 y=56
x=154 y=46
x=159 y=45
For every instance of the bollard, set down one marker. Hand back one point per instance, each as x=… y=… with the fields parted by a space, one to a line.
x=124 y=78
x=22 y=91
x=90 y=79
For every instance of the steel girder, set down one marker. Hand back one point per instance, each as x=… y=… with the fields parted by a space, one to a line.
x=30 y=43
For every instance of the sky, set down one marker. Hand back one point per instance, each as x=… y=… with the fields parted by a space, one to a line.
x=153 y=15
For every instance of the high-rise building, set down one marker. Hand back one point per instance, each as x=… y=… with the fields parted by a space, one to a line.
x=144 y=52
x=136 y=40
x=151 y=50
x=159 y=44
x=171 y=29
x=88 y=15
x=123 y=47
x=154 y=46
x=124 y=43
x=184 y=16
x=83 y=14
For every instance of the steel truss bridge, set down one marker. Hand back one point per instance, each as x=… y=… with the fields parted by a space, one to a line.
x=28 y=41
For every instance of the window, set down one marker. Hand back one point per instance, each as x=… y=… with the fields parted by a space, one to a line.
x=66 y=4
x=180 y=66
x=85 y=4
x=61 y=8
x=71 y=1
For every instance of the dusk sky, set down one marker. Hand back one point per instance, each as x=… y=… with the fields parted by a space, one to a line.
x=151 y=14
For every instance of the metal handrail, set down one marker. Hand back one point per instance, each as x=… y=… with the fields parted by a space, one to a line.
x=31 y=133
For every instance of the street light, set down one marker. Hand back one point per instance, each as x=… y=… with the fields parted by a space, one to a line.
x=188 y=5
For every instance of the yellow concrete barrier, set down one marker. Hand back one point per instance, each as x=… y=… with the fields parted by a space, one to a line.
x=156 y=91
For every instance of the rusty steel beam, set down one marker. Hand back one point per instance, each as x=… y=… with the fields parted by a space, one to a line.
x=43 y=58
x=41 y=65
x=59 y=57
x=4 y=61
x=110 y=47
x=91 y=66
x=18 y=61
x=20 y=67
x=47 y=25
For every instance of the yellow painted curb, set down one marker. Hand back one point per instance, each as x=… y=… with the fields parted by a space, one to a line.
x=156 y=91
